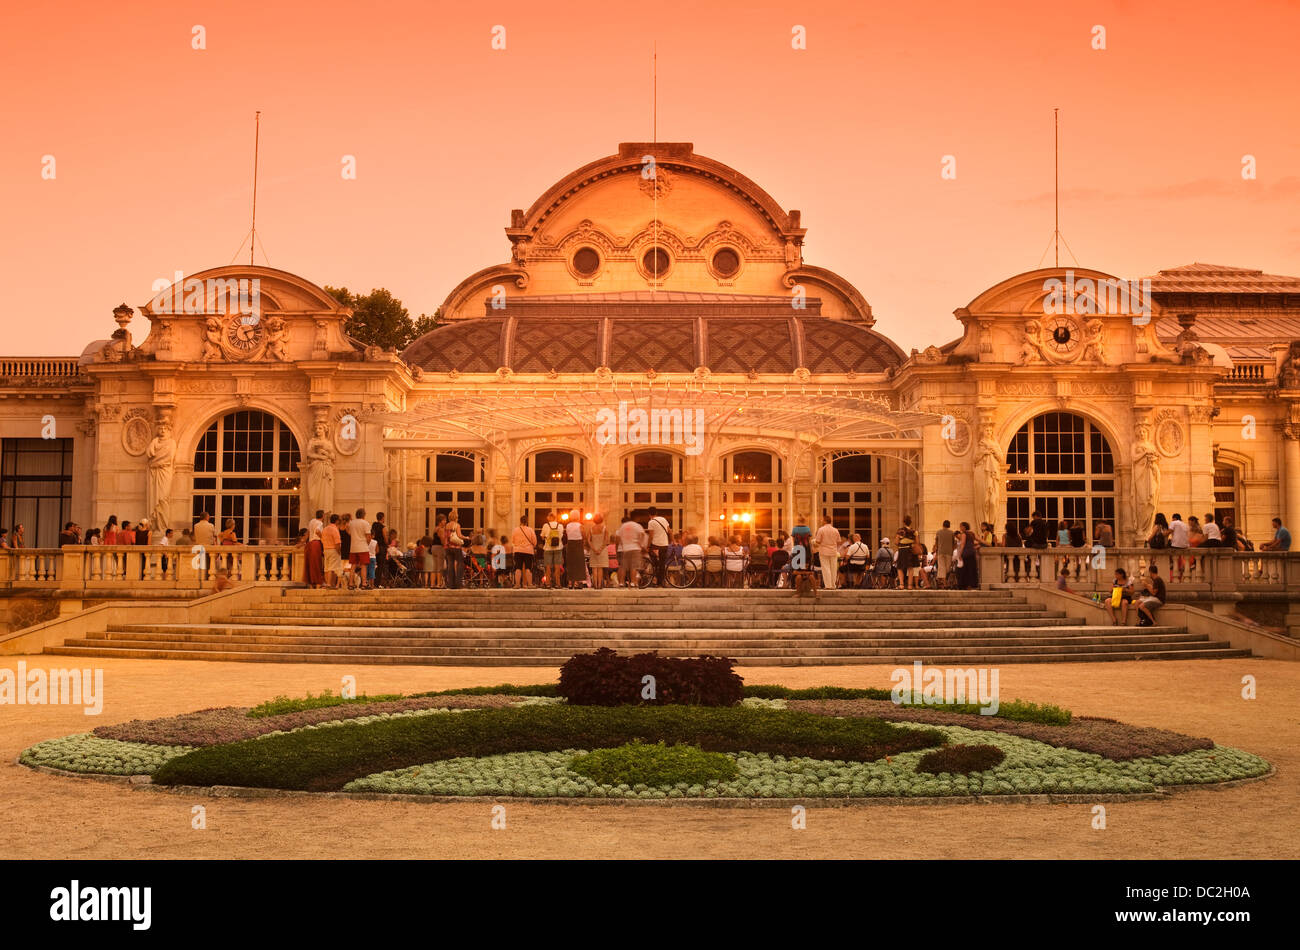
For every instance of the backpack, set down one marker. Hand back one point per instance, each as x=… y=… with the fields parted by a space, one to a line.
x=1157 y=540
x=552 y=535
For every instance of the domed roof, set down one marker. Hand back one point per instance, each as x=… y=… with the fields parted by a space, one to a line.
x=672 y=334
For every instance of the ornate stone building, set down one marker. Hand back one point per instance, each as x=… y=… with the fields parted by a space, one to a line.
x=656 y=337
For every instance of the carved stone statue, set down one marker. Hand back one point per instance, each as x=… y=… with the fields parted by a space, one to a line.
x=317 y=468
x=212 y=339
x=1146 y=480
x=1031 y=348
x=990 y=475
x=277 y=339
x=162 y=460
x=1095 y=346
x=1289 y=375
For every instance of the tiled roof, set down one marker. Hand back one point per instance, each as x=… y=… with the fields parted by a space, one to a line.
x=658 y=296
x=1220 y=279
x=671 y=343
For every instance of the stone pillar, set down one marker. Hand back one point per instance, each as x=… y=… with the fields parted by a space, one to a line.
x=1290 y=493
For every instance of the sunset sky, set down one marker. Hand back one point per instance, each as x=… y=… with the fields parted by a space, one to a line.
x=153 y=140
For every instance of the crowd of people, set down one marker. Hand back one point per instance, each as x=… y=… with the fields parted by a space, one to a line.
x=570 y=551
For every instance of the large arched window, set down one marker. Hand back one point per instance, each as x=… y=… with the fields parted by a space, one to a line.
x=1060 y=464
x=753 y=494
x=853 y=492
x=453 y=480
x=553 y=480
x=246 y=468
x=652 y=478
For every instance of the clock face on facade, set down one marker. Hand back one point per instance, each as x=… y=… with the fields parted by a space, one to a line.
x=242 y=336
x=1063 y=336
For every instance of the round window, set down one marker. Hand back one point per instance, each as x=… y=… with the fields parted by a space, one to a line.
x=655 y=262
x=726 y=262
x=586 y=262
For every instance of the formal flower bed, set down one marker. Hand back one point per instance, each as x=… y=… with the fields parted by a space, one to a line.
x=1028 y=768
x=528 y=741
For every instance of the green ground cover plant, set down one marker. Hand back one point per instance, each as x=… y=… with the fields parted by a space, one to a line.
x=327 y=759
x=641 y=763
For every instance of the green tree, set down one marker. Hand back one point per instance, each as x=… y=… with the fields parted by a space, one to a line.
x=379 y=319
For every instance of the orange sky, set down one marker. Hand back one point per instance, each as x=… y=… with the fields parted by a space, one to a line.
x=153 y=140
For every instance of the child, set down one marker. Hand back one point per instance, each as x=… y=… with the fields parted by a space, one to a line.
x=499 y=561
x=373 y=545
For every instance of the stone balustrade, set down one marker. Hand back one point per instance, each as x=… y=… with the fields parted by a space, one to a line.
x=104 y=568
x=1189 y=573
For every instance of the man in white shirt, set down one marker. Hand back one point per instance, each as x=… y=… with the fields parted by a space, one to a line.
x=826 y=542
x=316 y=525
x=856 y=557
x=657 y=529
x=693 y=554
x=1178 y=532
x=632 y=540
x=1213 y=536
x=359 y=550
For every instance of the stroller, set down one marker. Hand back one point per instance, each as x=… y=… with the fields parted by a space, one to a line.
x=401 y=573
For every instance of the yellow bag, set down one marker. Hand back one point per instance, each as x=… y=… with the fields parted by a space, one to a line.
x=1116 y=596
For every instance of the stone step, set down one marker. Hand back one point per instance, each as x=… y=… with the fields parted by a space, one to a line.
x=612 y=613
x=299 y=640
x=581 y=626
x=655 y=595
x=1191 y=652
x=563 y=634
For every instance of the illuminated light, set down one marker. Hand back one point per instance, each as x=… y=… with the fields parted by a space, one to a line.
x=735 y=517
x=747 y=517
x=722 y=517
x=564 y=517
x=587 y=516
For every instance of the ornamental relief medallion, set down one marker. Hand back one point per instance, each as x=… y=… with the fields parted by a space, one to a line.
x=137 y=431
x=1170 y=437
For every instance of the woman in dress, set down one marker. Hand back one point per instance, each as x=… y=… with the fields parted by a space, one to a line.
x=968 y=577
x=110 y=530
x=454 y=543
x=436 y=552
x=595 y=537
x=908 y=565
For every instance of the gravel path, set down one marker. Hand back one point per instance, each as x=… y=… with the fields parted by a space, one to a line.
x=50 y=816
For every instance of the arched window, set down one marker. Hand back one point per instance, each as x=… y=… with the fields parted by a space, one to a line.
x=453 y=480
x=853 y=491
x=652 y=479
x=753 y=495
x=246 y=468
x=1060 y=464
x=553 y=480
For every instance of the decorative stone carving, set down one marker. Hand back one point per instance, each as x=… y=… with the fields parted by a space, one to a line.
x=990 y=477
x=1094 y=347
x=211 y=340
x=1026 y=388
x=110 y=412
x=317 y=467
x=1085 y=388
x=658 y=186
x=604 y=374
x=137 y=430
x=1169 y=437
x=277 y=339
x=803 y=374
x=1146 y=478
x=1031 y=344
x=1289 y=375
x=162 y=463
x=88 y=426
x=505 y=374
x=347 y=431
x=930 y=355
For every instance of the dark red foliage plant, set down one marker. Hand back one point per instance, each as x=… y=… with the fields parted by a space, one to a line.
x=605 y=678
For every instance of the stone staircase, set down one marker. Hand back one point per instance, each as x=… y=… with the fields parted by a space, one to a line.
x=545 y=628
